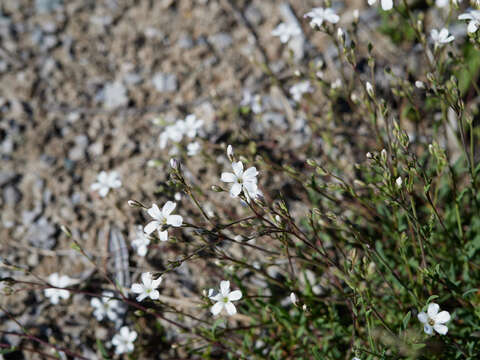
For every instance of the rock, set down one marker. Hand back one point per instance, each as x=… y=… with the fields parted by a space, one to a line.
x=6 y=177
x=114 y=95
x=221 y=41
x=42 y=234
x=164 y=82
x=11 y=195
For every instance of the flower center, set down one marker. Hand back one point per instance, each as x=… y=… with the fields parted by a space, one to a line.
x=225 y=299
x=431 y=322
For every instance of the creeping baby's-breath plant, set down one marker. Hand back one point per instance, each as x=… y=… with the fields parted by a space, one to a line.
x=339 y=235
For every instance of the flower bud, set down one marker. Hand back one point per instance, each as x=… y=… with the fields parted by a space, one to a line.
x=419 y=84
x=399 y=182
x=293 y=298
x=174 y=164
x=135 y=204
x=369 y=89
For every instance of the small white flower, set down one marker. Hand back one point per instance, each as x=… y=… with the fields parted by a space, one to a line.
x=141 y=241
x=385 y=4
x=230 y=151
x=434 y=320
x=474 y=20
x=147 y=288
x=419 y=84
x=356 y=358
x=340 y=34
x=105 y=182
x=293 y=298
x=172 y=132
x=224 y=299
x=254 y=102
x=369 y=89
x=193 y=148
x=242 y=180
x=399 y=182
x=161 y=218
x=441 y=37
x=286 y=31
x=299 y=89
x=106 y=307
x=123 y=341
x=59 y=282
x=319 y=15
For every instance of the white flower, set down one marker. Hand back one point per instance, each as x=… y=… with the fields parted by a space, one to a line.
x=106 y=307
x=242 y=180
x=337 y=84
x=141 y=241
x=293 y=298
x=161 y=218
x=105 y=182
x=147 y=288
x=356 y=358
x=224 y=299
x=433 y=320
x=123 y=341
x=369 y=89
x=286 y=31
x=385 y=4
x=441 y=37
x=319 y=15
x=191 y=125
x=299 y=89
x=193 y=148
x=399 y=182
x=444 y=3
x=474 y=17
x=419 y=84
x=230 y=151
x=59 y=282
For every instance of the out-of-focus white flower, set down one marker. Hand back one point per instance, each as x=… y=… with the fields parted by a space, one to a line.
x=58 y=281
x=141 y=241
x=242 y=180
x=473 y=18
x=441 y=37
x=193 y=148
x=105 y=182
x=106 y=307
x=419 y=84
x=161 y=218
x=299 y=89
x=286 y=31
x=356 y=15
x=123 y=341
x=293 y=298
x=385 y=4
x=434 y=320
x=319 y=15
x=224 y=299
x=191 y=125
x=172 y=132
x=147 y=288
x=399 y=182
x=445 y=3
x=369 y=89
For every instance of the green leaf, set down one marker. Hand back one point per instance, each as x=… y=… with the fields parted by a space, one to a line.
x=102 y=349
x=406 y=320
x=468 y=292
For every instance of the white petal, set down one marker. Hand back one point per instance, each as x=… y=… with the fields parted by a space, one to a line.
x=235 y=190
x=472 y=26
x=146 y=278
x=250 y=173
x=224 y=287
x=433 y=310
x=441 y=329
x=168 y=208
x=231 y=309
x=238 y=168
x=141 y=297
x=132 y=336
x=103 y=191
x=228 y=177
x=387 y=5
x=154 y=212
x=154 y=295
x=465 y=16
x=428 y=329
x=175 y=220
x=442 y=317
x=151 y=227
x=156 y=283
x=217 y=308
x=422 y=317
x=163 y=235
x=137 y=288
x=235 y=295
x=142 y=250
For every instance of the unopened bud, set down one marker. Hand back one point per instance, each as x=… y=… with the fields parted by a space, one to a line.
x=293 y=298
x=399 y=182
x=135 y=203
x=419 y=84
x=216 y=188
x=369 y=155
x=174 y=164
x=369 y=89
